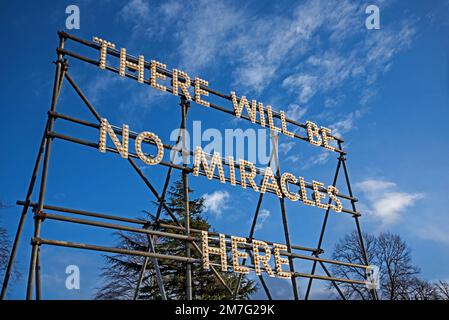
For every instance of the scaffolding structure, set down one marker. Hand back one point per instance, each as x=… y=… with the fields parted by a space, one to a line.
x=190 y=236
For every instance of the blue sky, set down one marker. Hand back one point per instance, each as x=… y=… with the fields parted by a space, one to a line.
x=385 y=91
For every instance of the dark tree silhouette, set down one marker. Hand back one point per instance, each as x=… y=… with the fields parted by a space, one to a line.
x=4 y=250
x=419 y=289
x=390 y=253
x=121 y=273
x=442 y=288
x=5 y=247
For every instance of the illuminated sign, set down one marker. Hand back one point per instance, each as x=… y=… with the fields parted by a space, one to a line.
x=247 y=170
x=181 y=83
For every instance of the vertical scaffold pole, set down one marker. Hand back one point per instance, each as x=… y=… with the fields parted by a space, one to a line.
x=373 y=292
x=60 y=69
x=185 y=184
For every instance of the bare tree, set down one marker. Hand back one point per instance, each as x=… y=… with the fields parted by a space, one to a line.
x=391 y=254
x=419 y=289
x=348 y=249
x=442 y=289
x=397 y=273
x=5 y=246
x=4 y=249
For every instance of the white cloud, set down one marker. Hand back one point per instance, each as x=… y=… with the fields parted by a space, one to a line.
x=264 y=214
x=342 y=126
x=263 y=46
x=433 y=230
x=315 y=48
x=135 y=10
x=305 y=83
x=286 y=147
x=373 y=186
x=328 y=71
x=216 y=202
x=331 y=102
x=392 y=204
x=347 y=122
x=293 y=158
x=171 y=9
x=385 y=203
x=320 y=159
x=202 y=38
x=295 y=112
x=368 y=58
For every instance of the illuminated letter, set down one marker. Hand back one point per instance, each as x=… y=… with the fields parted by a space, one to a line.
x=272 y=184
x=264 y=259
x=134 y=66
x=286 y=176
x=326 y=133
x=198 y=91
x=238 y=254
x=154 y=75
x=106 y=128
x=151 y=137
x=280 y=261
x=200 y=158
x=250 y=176
x=238 y=107
x=313 y=131
x=317 y=195
x=284 y=126
x=209 y=250
x=304 y=199
x=103 y=50
x=332 y=192
x=184 y=85
x=261 y=114
x=270 y=120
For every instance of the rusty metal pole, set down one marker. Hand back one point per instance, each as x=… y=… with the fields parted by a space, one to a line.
x=251 y=234
x=274 y=141
x=38 y=217
x=161 y=201
x=323 y=228
x=373 y=292
x=185 y=183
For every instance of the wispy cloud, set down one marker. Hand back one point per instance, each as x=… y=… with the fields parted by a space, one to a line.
x=269 y=41
x=325 y=43
x=293 y=158
x=433 y=229
x=135 y=10
x=295 y=111
x=369 y=57
x=384 y=202
x=346 y=123
x=257 y=48
x=285 y=147
x=216 y=202
x=264 y=214
x=320 y=159
x=202 y=39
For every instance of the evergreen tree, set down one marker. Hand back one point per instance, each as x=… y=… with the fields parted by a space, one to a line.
x=121 y=272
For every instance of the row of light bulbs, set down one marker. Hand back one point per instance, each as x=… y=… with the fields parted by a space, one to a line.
x=316 y=136
x=258 y=258
x=269 y=181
